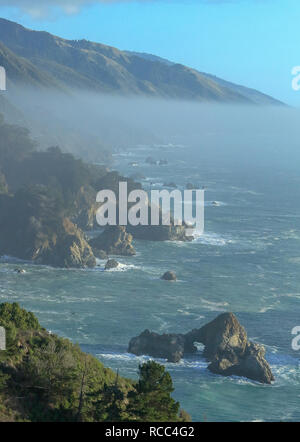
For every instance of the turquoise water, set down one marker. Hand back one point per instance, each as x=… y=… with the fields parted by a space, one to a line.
x=247 y=261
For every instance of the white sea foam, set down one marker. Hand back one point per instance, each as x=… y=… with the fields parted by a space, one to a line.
x=125 y=267
x=295 y=260
x=212 y=239
x=245 y=191
x=267 y=308
x=129 y=357
x=122 y=267
x=215 y=203
x=123 y=154
x=284 y=373
x=125 y=357
x=214 y=306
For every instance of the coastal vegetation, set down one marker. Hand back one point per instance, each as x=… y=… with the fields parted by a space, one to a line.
x=47 y=378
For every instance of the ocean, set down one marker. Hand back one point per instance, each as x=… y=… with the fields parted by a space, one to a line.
x=247 y=262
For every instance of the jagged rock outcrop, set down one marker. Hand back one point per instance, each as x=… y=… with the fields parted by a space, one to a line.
x=229 y=351
x=113 y=241
x=168 y=346
x=86 y=217
x=111 y=264
x=226 y=348
x=222 y=335
x=70 y=249
x=169 y=276
x=171 y=184
x=251 y=364
x=191 y=186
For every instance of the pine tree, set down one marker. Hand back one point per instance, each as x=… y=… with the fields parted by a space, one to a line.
x=151 y=400
x=109 y=405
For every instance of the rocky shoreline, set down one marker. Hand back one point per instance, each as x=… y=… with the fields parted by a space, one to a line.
x=46 y=210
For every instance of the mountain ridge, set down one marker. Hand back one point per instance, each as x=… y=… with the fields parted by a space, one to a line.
x=45 y=60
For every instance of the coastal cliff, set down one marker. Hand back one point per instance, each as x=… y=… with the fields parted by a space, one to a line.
x=33 y=228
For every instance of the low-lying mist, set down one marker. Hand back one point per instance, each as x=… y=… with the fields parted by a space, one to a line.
x=90 y=125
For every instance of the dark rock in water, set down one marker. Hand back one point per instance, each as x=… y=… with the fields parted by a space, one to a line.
x=111 y=264
x=254 y=365
x=172 y=185
x=162 y=162
x=226 y=348
x=20 y=271
x=220 y=335
x=229 y=351
x=150 y=160
x=167 y=346
x=169 y=276
x=113 y=241
x=191 y=186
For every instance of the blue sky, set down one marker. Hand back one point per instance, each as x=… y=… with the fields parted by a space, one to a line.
x=250 y=42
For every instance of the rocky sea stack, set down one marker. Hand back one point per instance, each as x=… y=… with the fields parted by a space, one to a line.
x=169 y=276
x=111 y=264
x=226 y=348
x=113 y=241
x=71 y=250
x=168 y=346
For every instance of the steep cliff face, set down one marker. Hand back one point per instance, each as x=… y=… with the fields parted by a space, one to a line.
x=32 y=227
x=70 y=250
